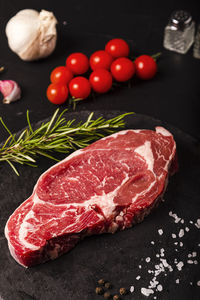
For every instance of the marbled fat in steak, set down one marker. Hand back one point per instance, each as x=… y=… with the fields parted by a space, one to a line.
x=107 y=186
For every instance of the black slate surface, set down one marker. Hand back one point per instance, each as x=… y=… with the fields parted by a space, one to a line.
x=114 y=257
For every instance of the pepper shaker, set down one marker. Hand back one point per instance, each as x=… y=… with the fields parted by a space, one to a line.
x=179 y=32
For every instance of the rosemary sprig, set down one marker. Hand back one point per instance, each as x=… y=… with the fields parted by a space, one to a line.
x=56 y=135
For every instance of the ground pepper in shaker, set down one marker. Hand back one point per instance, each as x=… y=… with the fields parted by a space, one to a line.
x=179 y=32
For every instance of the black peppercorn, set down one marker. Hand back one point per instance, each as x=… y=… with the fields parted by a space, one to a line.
x=107 y=295
x=101 y=281
x=108 y=285
x=99 y=290
x=122 y=291
x=116 y=297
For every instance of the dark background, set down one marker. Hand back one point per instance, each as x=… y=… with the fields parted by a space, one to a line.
x=172 y=96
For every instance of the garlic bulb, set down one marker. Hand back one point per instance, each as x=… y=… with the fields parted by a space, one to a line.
x=32 y=35
x=10 y=90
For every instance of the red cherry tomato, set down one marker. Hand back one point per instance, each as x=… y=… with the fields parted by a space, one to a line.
x=78 y=63
x=117 y=48
x=100 y=60
x=101 y=80
x=61 y=75
x=146 y=67
x=57 y=93
x=80 y=87
x=122 y=69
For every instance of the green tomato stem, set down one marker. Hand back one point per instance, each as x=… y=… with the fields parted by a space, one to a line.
x=156 y=56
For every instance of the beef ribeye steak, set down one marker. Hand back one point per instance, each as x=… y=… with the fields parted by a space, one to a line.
x=107 y=186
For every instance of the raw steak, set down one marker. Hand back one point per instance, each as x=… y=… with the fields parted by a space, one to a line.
x=107 y=186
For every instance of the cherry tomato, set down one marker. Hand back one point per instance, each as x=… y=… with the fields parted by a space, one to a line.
x=100 y=60
x=146 y=67
x=117 y=48
x=61 y=75
x=57 y=93
x=80 y=87
x=78 y=63
x=101 y=80
x=122 y=69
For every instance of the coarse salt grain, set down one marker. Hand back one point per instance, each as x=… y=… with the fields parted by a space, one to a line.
x=180 y=265
x=173 y=235
x=140 y=267
x=164 y=262
x=153 y=283
x=177 y=281
x=147 y=292
x=181 y=244
x=138 y=277
x=162 y=252
x=157 y=255
x=175 y=243
x=152 y=242
x=160 y=231
x=157 y=267
x=198 y=283
x=195 y=262
x=190 y=261
x=182 y=221
x=159 y=288
x=191 y=222
x=176 y=218
x=132 y=289
x=194 y=254
x=197 y=224
x=187 y=229
x=148 y=259
x=181 y=233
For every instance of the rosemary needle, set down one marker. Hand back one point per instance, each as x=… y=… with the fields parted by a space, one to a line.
x=57 y=135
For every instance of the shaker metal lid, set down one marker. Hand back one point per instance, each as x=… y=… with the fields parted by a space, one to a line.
x=181 y=18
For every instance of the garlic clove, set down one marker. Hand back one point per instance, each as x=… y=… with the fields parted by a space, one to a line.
x=32 y=35
x=10 y=90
